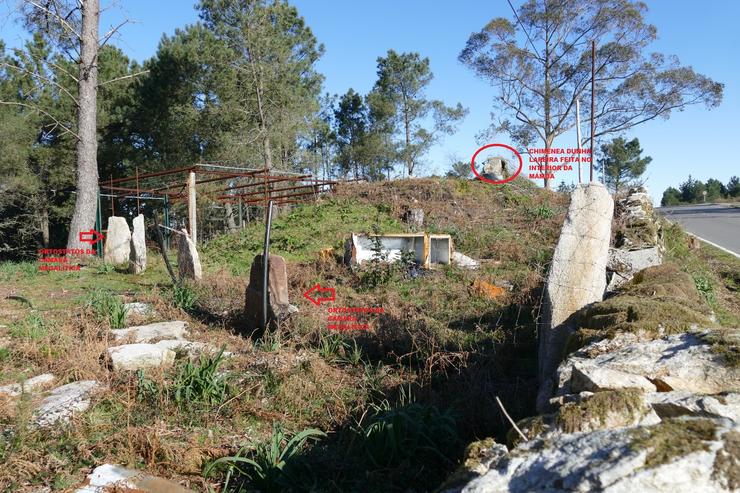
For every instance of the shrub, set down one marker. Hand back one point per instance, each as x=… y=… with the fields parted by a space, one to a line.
x=415 y=433
x=184 y=297
x=275 y=465
x=108 y=307
x=201 y=383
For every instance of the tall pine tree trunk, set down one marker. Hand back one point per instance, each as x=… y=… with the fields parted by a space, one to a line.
x=83 y=218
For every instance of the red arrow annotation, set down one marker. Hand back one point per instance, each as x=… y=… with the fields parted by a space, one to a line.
x=318 y=291
x=90 y=237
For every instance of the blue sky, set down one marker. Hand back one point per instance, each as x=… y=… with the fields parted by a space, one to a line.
x=704 y=35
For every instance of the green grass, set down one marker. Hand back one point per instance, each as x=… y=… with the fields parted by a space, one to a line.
x=33 y=327
x=299 y=236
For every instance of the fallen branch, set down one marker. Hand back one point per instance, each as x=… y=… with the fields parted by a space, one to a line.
x=524 y=437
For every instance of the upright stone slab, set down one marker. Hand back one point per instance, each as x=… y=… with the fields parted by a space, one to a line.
x=188 y=260
x=137 y=257
x=279 y=304
x=117 y=241
x=577 y=275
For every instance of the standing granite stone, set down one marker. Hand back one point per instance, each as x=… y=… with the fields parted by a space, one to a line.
x=279 y=305
x=188 y=260
x=117 y=241
x=137 y=258
x=577 y=275
x=415 y=217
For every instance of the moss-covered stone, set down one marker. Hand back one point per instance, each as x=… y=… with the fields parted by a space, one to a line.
x=726 y=467
x=726 y=344
x=610 y=408
x=660 y=297
x=672 y=438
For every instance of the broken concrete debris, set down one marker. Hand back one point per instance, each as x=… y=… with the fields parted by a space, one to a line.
x=117 y=241
x=188 y=260
x=464 y=261
x=137 y=257
x=279 y=306
x=109 y=477
x=577 y=274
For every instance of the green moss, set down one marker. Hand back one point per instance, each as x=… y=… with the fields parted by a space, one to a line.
x=596 y=410
x=672 y=438
x=660 y=296
x=726 y=344
x=726 y=467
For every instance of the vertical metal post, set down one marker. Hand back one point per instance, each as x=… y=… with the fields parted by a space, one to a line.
x=167 y=220
x=593 y=106
x=99 y=226
x=266 y=266
x=241 y=217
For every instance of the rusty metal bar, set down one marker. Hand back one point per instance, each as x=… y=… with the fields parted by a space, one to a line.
x=153 y=174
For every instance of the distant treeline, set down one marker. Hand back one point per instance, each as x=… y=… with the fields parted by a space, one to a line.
x=695 y=191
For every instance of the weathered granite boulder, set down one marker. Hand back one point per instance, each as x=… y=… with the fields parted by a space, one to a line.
x=151 y=332
x=138 y=308
x=108 y=478
x=624 y=264
x=681 y=362
x=31 y=385
x=495 y=168
x=139 y=356
x=577 y=275
x=682 y=403
x=193 y=349
x=188 y=260
x=279 y=304
x=61 y=403
x=414 y=217
x=117 y=241
x=674 y=456
x=637 y=225
x=137 y=256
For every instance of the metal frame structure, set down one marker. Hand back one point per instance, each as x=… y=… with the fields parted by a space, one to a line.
x=247 y=187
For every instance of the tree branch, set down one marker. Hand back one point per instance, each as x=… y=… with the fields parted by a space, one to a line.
x=44 y=112
x=56 y=15
x=123 y=77
x=44 y=78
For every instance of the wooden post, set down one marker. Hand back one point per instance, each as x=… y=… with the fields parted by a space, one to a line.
x=593 y=105
x=578 y=136
x=138 y=193
x=112 y=198
x=192 y=218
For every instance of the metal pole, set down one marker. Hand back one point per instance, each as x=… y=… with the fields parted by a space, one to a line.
x=241 y=216
x=99 y=226
x=265 y=266
x=593 y=106
x=578 y=135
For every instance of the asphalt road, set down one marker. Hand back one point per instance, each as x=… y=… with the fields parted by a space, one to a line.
x=717 y=223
